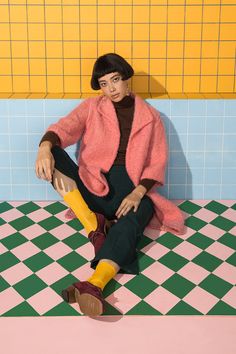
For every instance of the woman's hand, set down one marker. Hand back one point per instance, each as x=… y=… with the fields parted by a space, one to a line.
x=132 y=200
x=44 y=165
x=61 y=188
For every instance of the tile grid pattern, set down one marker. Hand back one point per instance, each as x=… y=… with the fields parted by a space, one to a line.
x=194 y=274
x=201 y=136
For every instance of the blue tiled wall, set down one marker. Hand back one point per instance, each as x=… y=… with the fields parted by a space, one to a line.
x=201 y=136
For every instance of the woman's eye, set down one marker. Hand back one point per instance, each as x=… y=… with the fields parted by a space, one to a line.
x=103 y=84
x=116 y=79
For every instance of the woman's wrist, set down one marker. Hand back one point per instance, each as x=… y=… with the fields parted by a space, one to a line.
x=140 y=191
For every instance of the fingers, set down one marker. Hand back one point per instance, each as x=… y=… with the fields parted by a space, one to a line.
x=125 y=207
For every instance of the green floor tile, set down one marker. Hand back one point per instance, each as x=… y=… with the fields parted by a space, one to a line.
x=63 y=309
x=169 y=240
x=232 y=259
x=182 y=308
x=112 y=286
x=195 y=223
x=72 y=261
x=50 y=223
x=76 y=240
x=216 y=207
x=234 y=206
x=200 y=240
x=29 y=286
x=189 y=207
x=55 y=208
x=38 y=261
x=45 y=240
x=144 y=242
x=75 y=224
x=3 y=284
x=173 y=261
x=178 y=285
x=7 y=260
x=144 y=261
x=4 y=206
x=14 y=240
x=215 y=285
x=141 y=286
x=111 y=311
x=2 y=221
x=207 y=261
x=28 y=207
x=223 y=223
x=221 y=308
x=142 y=308
x=63 y=283
x=21 y=223
x=228 y=240
x=22 y=310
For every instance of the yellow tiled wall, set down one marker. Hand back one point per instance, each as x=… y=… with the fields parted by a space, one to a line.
x=178 y=47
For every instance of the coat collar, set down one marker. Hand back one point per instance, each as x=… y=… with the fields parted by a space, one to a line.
x=142 y=113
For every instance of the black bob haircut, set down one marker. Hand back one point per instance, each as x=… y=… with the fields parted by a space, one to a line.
x=109 y=63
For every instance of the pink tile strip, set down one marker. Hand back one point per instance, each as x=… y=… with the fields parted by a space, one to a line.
x=200 y=299
x=162 y=300
x=16 y=273
x=227 y=272
x=45 y=300
x=52 y=273
x=25 y=251
x=230 y=297
x=193 y=273
x=6 y=230
x=123 y=299
x=9 y=298
x=11 y=214
x=219 y=250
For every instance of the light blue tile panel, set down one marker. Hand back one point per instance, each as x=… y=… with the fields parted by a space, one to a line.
x=201 y=136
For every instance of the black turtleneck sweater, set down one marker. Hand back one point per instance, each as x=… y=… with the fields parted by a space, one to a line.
x=125 y=113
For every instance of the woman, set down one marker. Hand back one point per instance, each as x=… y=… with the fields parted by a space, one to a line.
x=121 y=161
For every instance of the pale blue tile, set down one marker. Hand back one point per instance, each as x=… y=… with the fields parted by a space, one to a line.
x=229 y=159
x=178 y=142
x=18 y=142
x=19 y=176
x=37 y=192
x=4 y=143
x=230 y=142
x=5 y=159
x=35 y=107
x=196 y=142
x=177 y=191
x=197 y=192
x=215 y=107
x=18 y=159
x=17 y=125
x=52 y=194
x=33 y=141
x=228 y=192
x=177 y=176
x=229 y=176
x=32 y=155
x=60 y=107
x=213 y=159
x=214 y=142
x=212 y=192
x=5 y=193
x=4 y=128
x=163 y=106
x=230 y=125
x=33 y=179
x=195 y=159
x=35 y=125
x=197 y=107
x=166 y=122
x=212 y=176
x=195 y=176
x=177 y=159
x=196 y=125
x=3 y=108
x=230 y=108
x=51 y=120
x=179 y=107
x=17 y=107
x=5 y=176
x=214 y=125
x=20 y=192
x=163 y=191
x=179 y=125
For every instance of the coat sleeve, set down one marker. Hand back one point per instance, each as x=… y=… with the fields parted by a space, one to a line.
x=70 y=128
x=157 y=156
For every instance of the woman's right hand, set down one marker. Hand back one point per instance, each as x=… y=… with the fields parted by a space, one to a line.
x=44 y=165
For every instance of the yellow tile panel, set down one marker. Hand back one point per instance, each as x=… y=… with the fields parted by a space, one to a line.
x=37 y=66
x=208 y=83
x=38 y=83
x=227 y=49
x=18 y=13
x=175 y=31
x=228 y=13
x=192 y=31
x=226 y=67
x=36 y=31
x=210 y=31
x=174 y=84
x=192 y=49
x=174 y=66
x=193 y=14
x=88 y=32
x=4 y=31
x=54 y=31
x=140 y=49
x=192 y=66
x=4 y=13
x=157 y=67
x=87 y=66
x=140 y=84
x=209 y=66
x=157 y=84
x=55 y=84
x=71 y=14
x=141 y=66
x=141 y=14
x=71 y=32
x=72 y=49
x=5 y=83
x=20 y=84
x=123 y=31
x=176 y=13
x=36 y=13
x=106 y=47
x=5 y=67
x=210 y=49
x=175 y=49
x=19 y=49
x=84 y=11
x=54 y=49
x=158 y=49
x=37 y=49
x=124 y=48
x=85 y=84
x=158 y=31
x=158 y=13
x=71 y=67
x=140 y=32
x=54 y=66
x=211 y=14
x=123 y=13
x=72 y=84
x=18 y=31
x=53 y=14
x=106 y=14
x=5 y=49
x=88 y=50
x=228 y=31
x=105 y=32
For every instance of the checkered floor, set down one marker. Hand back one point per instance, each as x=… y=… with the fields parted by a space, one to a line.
x=42 y=252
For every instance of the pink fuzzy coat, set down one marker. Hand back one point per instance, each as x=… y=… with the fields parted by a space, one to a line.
x=94 y=121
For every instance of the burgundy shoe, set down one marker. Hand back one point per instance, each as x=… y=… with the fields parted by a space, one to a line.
x=90 y=298
x=68 y=294
x=98 y=236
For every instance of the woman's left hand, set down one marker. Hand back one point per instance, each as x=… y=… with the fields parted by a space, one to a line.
x=132 y=200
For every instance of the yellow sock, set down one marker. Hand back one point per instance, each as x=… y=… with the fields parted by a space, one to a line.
x=103 y=273
x=86 y=216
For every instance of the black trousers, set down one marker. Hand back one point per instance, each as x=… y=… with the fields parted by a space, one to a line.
x=123 y=237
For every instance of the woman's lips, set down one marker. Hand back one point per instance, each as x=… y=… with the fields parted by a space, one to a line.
x=115 y=96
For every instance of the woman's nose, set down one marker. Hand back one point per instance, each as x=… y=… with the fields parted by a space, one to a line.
x=111 y=88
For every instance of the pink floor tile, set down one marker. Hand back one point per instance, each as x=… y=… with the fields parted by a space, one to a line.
x=201 y=202
x=158 y=272
x=61 y=216
x=193 y=273
x=227 y=272
x=230 y=297
x=188 y=232
x=219 y=250
x=45 y=300
x=187 y=250
x=212 y=231
x=44 y=203
x=230 y=214
x=39 y=215
x=3 y=249
x=33 y=231
x=62 y=231
x=155 y=250
x=86 y=251
x=178 y=201
x=83 y=273
x=6 y=230
x=83 y=232
x=16 y=273
x=233 y=231
x=11 y=214
x=201 y=299
x=25 y=251
x=153 y=234
x=123 y=299
x=162 y=300
x=227 y=202
x=205 y=215
x=16 y=204
x=9 y=298
x=58 y=250
x=124 y=278
x=52 y=273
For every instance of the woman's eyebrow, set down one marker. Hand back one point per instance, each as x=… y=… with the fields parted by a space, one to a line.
x=110 y=78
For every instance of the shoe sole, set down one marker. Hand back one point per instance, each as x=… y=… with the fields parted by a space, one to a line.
x=89 y=304
x=68 y=294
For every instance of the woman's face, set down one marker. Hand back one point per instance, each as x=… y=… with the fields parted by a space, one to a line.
x=113 y=86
